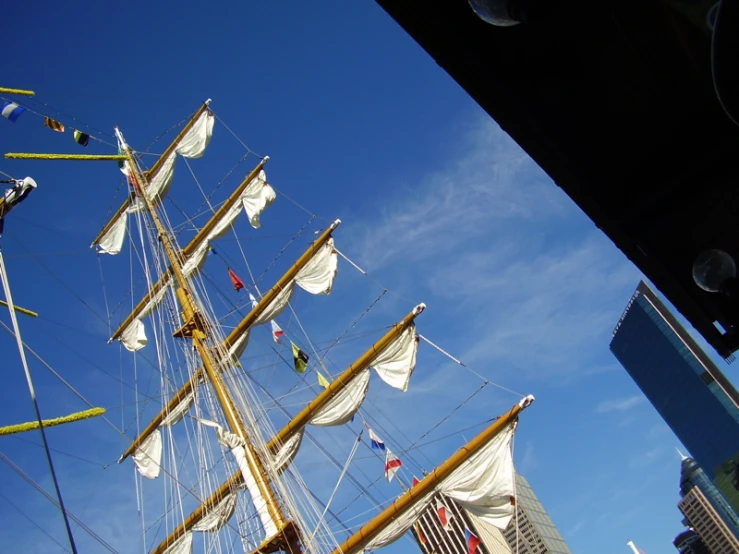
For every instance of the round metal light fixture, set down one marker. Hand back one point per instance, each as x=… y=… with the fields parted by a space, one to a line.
x=495 y=12
x=714 y=271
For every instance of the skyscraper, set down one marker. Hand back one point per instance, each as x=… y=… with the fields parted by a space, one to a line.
x=690 y=393
x=531 y=531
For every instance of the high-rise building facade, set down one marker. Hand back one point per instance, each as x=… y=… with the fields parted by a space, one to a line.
x=690 y=393
x=706 y=510
x=531 y=531
x=690 y=542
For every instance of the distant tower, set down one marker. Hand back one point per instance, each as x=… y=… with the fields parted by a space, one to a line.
x=531 y=530
x=706 y=510
x=690 y=393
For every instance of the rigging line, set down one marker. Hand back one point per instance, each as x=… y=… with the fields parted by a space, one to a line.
x=57 y=375
x=448 y=355
x=175 y=126
x=60 y=545
x=46 y=254
x=353 y=479
x=62 y=452
x=355 y=446
x=51 y=499
x=249 y=150
x=272 y=263
x=32 y=391
x=50 y=272
x=445 y=418
x=198 y=212
x=371 y=278
x=6 y=175
x=354 y=324
x=70 y=117
x=105 y=294
x=306 y=210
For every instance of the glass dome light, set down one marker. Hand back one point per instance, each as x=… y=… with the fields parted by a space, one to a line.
x=495 y=12
x=712 y=268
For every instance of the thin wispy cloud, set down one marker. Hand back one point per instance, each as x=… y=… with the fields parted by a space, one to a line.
x=620 y=404
x=491 y=236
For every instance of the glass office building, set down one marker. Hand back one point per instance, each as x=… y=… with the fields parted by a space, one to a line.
x=690 y=393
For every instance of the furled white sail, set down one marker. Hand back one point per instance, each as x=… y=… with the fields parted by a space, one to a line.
x=396 y=363
x=183 y=545
x=148 y=455
x=236 y=445
x=194 y=143
x=277 y=306
x=176 y=414
x=218 y=515
x=317 y=276
x=288 y=450
x=484 y=483
x=400 y=525
x=133 y=336
x=396 y=360
x=158 y=185
x=256 y=197
x=112 y=241
x=342 y=407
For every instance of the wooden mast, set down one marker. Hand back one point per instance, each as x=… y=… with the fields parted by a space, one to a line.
x=195 y=327
x=154 y=169
x=356 y=543
x=233 y=336
x=189 y=249
x=295 y=424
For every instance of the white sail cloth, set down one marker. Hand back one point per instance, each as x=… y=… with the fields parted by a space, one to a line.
x=213 y=520
x=236 y=445
x=148 y=456
x=257 y=195
x=192 y=145
x=316 y=277
x=483 y=484
x=399 y=355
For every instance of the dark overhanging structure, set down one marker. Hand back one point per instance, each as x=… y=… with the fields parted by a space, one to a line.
x=616 y=102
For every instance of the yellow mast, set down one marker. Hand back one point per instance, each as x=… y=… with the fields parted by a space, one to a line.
x=233 y=336
x=195 y=327
x=356 y=543
x=189 y=249
x=295 y=424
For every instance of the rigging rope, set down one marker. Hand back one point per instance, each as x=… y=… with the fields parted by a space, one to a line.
x=32 y=391
x=355 y=446
x=24 y=514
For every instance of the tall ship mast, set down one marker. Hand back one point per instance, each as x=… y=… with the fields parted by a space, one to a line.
x=223 y=445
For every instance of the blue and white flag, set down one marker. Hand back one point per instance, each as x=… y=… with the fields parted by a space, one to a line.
x=375 y=441
x=12 y=111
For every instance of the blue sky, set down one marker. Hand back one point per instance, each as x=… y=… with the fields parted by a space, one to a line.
x=438 y=205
